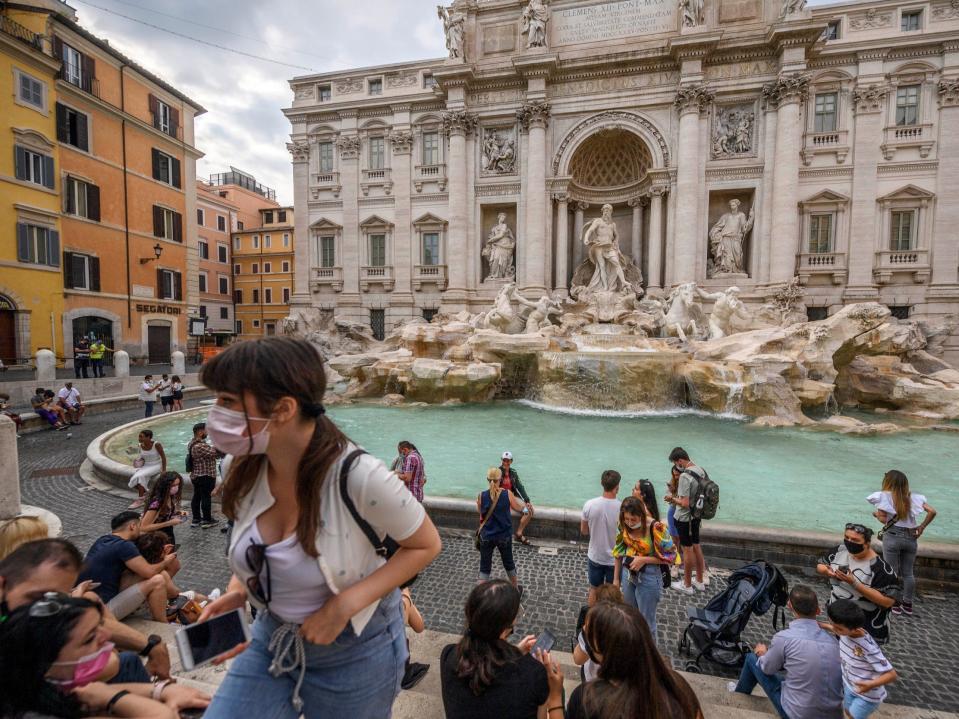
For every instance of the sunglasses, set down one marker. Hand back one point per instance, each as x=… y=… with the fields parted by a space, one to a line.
x=51 y=605
x=858 y=528
x=257 y=561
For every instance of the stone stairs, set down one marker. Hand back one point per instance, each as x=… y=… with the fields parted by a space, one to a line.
x=425 y=700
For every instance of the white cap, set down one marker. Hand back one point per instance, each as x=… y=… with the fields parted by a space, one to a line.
x=507 y=455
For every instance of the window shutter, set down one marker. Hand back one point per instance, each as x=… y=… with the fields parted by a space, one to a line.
x=88 y=72
x=177 y=227
x=175 y=171
x=20 y=162
x=93 y=202
x=156 y=163
x=160 y=284
x=53 y=248
x=94 y=264
x=48 y=178
x=58 y=48
x=174 y=121
x=63 y=128
x=157 y=221
x=69 y=206
x=68 y=270
x=154 y=110
x=83 y=142
x=177 y=286
x=23 y=242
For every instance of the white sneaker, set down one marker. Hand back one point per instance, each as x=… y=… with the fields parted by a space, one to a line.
x=214 y=595
x=699 y=586
x=730 y=687
x=705 y=579
x=189 y=594
x=682 y=588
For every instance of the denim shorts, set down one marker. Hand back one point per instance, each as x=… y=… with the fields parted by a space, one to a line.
x=855 y=705
x=599 y=574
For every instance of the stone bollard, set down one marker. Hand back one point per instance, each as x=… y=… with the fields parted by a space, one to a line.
x=46 y=366
x=121 y=364
x=179 y=363
x=9 y=467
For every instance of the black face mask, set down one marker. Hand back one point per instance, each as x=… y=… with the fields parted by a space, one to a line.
x=4 y=610
x=854 y=547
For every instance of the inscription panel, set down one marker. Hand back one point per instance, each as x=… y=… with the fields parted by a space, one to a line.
x=499 y=38
x=613 y=20
x=612 y=84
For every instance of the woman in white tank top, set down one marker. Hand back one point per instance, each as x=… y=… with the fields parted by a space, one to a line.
x=150 y=464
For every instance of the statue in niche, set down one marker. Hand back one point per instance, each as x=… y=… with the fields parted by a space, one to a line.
x=726 y=309
x=602 y=239
x=694 y=12
x=726 y=240
x=498 y=250
x=535 y=20
x=499 y=153
x=733 y=131
x=454 y=26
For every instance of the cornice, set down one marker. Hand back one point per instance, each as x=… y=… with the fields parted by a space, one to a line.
x=694 y=45
x=736 y=172
x=823 y=172
x=425 y=199
x=908 y=168
x=502 y=189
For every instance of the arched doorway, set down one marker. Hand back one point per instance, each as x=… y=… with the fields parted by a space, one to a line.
x=8 y=331
x=95 y=327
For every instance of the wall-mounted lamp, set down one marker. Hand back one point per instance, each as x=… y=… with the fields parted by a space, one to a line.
x=157 y=251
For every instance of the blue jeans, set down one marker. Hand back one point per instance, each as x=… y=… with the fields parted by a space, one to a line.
x=855 y=705
x=772 y=684
x=645 y=594
x=599 y=574
x=505 y=547
x=355 y=677
x=149 y=409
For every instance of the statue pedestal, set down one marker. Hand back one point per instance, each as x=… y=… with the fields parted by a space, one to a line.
x=730 y=277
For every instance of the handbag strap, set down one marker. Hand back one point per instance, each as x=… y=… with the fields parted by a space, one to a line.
x=370 y=533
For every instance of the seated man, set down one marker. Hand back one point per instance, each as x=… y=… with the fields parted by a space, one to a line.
x=69 y=399
x=812 y=687
x=52 y=565
x=39 y=404
x=5 y=409
x=107 y=563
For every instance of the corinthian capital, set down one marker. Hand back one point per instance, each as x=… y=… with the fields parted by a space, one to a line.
x=459 y=122
x=692 y=98
x=949 y=92
x=786 y=89
x=533 y=114
x=299 y=149
x=349 y=147
x=869 y=98
x=402 y=142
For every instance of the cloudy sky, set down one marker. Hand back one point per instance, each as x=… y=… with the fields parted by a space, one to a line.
x=244 y=126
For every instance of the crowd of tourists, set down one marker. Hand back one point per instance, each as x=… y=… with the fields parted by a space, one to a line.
x=332 y=604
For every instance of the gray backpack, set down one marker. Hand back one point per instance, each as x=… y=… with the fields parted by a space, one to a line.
x=703 y=494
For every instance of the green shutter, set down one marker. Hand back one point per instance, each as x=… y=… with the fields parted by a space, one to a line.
x=53 y=248
x=68 y=270
x=94 y=265
x=48 y=172
x=23 y=243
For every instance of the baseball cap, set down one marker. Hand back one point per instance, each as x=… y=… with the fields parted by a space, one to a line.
x=507 y=455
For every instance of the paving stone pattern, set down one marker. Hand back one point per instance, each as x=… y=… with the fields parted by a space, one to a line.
x=924 y=648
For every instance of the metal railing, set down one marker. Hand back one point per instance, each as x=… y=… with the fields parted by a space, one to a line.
x=241 y=180
x=24 y=34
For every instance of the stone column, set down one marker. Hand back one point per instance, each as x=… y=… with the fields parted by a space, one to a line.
x=690 y=101
x=562 y=243
x=458 y=124
x=578 y=247
x=405 y=255
x=765 y=234
x=349 y=149
x=790 y=92
x=9 y=469
x=655 y=238
x=636 y=246
x=945 y=249
x=534 y=117
x=303 y=262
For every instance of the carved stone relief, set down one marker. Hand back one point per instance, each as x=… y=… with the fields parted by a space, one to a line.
x=791 y=7
x=399 y=80
x=299 y=149
x=349 y=147
x=694 y=12
x=869 y=98
x=870 y=20
x=499 y=151
x=733 y=133
x=349 y=86
x=945 y=11
x=949 y=92
x=304 y=93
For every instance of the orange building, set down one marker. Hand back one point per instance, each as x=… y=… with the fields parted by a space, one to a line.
x=216 y=218
x=263 y=273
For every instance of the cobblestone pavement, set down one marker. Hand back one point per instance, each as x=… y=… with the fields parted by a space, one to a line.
x=923 y=648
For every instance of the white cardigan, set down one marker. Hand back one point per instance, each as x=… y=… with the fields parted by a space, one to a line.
x=345 y=554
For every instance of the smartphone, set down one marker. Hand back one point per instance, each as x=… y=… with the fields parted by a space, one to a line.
x=202 y=642
x=544 y=642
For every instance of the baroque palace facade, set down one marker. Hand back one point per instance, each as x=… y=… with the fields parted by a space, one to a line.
x=738 y=142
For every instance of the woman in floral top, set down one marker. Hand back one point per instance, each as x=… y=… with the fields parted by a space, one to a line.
x=642 y=545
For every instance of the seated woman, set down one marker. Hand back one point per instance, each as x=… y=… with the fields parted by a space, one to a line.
x=856 y=572
x=150 y=463
x=51 y=654
x=634 y=681
x=162 y=511
x=484 y=676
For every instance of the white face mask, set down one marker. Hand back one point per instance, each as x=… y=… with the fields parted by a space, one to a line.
x=226 y=427
x=637 y=525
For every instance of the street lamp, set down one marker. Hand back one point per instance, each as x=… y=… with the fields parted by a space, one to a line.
x=157 y=251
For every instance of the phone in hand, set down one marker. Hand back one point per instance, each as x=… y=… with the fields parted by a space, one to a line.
x=544 y=642
x=203 y=642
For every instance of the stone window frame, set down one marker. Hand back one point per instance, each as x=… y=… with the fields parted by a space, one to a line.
x=317 y=136
x=827 y=202
x=909 y=197
x=912 y=73
x=324 y=227
x=842 y=84
x=369 y=86
x=376 y=225
x=45 y=100
x=430 y=223
x=423 y=125
x=913 y=10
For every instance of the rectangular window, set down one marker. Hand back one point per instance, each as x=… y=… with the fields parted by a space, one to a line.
x=377 y=153
x=286 y=295
x=72 y=127
x=911 y=21
x=239 y=225
x=169 y=285
x=268 y=217
x=431 y=248
x=903 y=230
x=166 y=168
x=832 y=30
x=202 y=278
x=256 y=268
x=281 y=215
x=38 y=245
x=267 y=267
x=221 y=223
x=428 y=81
x=72 y=70
x=378 y=324
x=256 y=296
x=162 y=117
x=907 y=105
x=256 y=324
x=238 y=326
x=825 y=117
x=431 y=148
x=202 y=310
x=325 y=150
x=221 y=253
x=815 y=314
x=267 y=241
x=286 y=266
x=376 y=86
x=33 y=167
x=167 y=224
x=82 y=199
x=81 y=272
x=327 y=252
x=256 y=242
x=238 y=296
x=224 y=313
x=236 y=269
x=269 y=328
x=286 y=239
x=224 y=285
x=31 y=91
x=820 y=233
x=268 y=296
x=203 y=249
x=199 y=217
x=377 y=250
x=236 y=244
x=325 y=93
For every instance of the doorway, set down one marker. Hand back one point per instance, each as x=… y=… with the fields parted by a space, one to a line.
x=158 y=344
x=99 y=328
x=8 y=335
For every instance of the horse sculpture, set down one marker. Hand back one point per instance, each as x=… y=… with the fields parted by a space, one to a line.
x=684 y=314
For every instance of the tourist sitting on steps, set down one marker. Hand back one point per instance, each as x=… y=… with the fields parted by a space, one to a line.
x=484 y=676
x=812 y=686
x=598 y=522
x=5 y=410
x=512 y=483
x=150 y=463
x=154 y=548
x=686 y=524
x=496 y=527
x=633 y=679
x=51 y=404
x=54 y=654
x=162 y=512
x=69 y=399
x=40 y=403
x=856 y=572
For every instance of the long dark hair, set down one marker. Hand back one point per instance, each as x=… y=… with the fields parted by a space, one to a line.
x=897 y=484
x=151 y=546
x=161 y=491
x=28 y=648
x=633 y=506
x=634 y=681
x=649 y=498
x=491 y=608
x=271 y=368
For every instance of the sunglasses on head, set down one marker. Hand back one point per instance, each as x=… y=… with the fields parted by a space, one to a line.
x=50 y=605
x=857 y=528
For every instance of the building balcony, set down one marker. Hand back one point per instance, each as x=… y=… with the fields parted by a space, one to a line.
x=901 y=137
x=18 y=31
x=820 y=143
x=376 y=178
x=321 y=277
x=379 y=275
x=831 y=264
x=890 y=262
x=429 y=173
x=429 y=275
x=320 y=181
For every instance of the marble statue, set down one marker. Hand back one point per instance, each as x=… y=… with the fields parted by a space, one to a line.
x=535 y=20
x=499 y=152
x=503 y=317
x=541 y=310
x=498 y=250
x=733 y=131
x=727 y=307
x=454 y=26
x=726 y=241
x=684 y=314
x=602 y=240
x=791 y=7
x=693 y=12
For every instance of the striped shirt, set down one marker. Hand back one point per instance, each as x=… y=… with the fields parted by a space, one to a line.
x=863 y=661
x=413 y=464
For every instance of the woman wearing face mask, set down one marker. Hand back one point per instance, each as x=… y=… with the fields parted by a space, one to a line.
x=51 y=653
x=857 y=573
x=329 y=627
x=162 y=512
x=642 y=545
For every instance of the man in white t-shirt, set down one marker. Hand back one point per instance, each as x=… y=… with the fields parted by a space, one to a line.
x=148 y=395
x=599 y=523
x=69 y=398
x=165 y=393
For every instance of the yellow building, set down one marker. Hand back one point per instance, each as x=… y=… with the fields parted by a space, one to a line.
x=31 y=280
x=263 y=273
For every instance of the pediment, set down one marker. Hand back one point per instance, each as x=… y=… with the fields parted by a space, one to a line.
x=909 y=192
x=429 y=219
x=826 y=196
x=375 y=221
x=325 y=224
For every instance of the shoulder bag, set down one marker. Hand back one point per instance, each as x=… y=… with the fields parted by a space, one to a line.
x=489 y=513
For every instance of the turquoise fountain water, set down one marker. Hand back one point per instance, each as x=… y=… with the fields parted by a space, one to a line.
x=790 y=478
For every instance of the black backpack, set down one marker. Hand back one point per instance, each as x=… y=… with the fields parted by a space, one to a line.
x=189 y=459
x=703 y=494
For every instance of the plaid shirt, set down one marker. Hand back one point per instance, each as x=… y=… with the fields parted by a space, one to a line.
x=414 y=464
x=204 y=459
